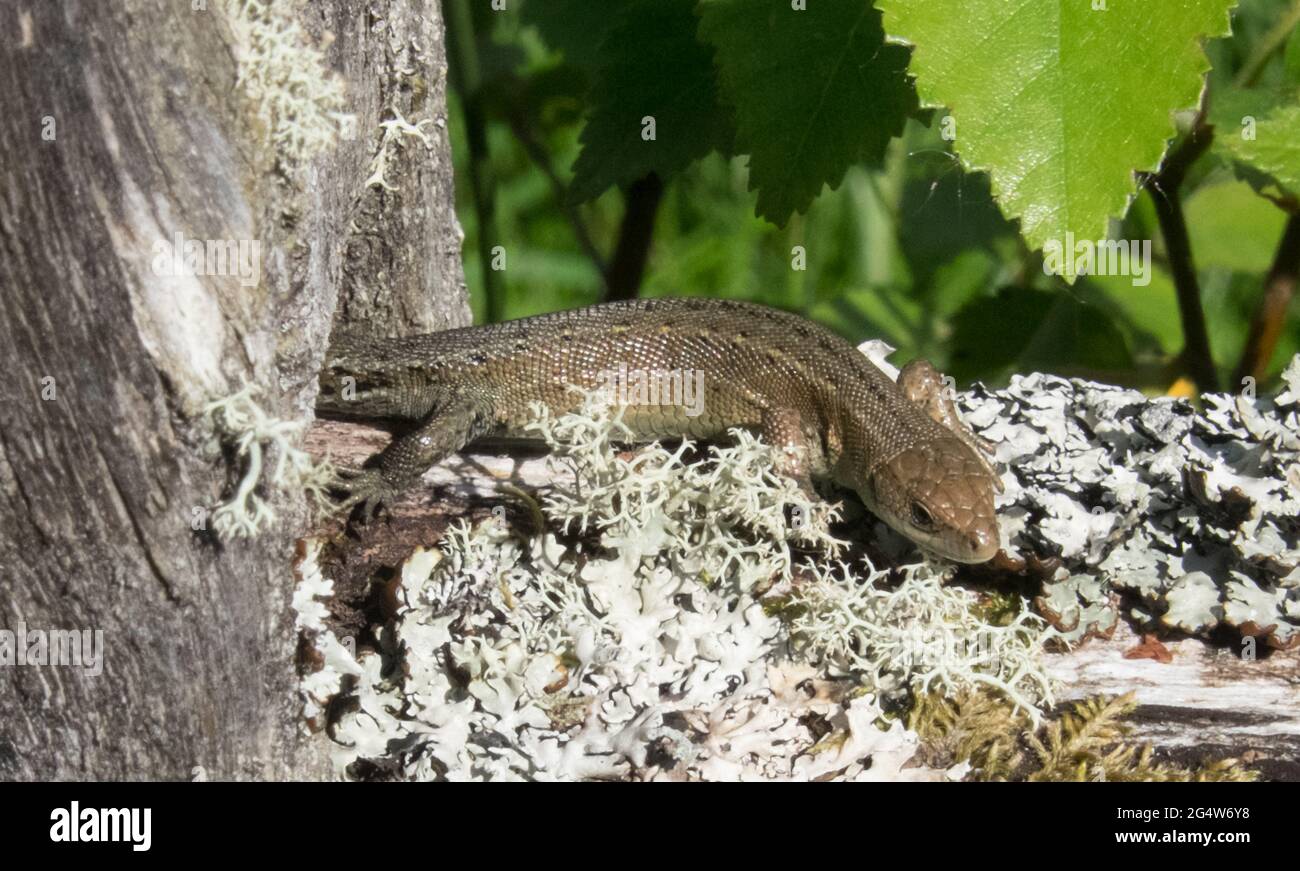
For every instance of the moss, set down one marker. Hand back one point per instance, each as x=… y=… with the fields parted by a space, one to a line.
x=999 y=607
x=786 y=608
x=1088 y=741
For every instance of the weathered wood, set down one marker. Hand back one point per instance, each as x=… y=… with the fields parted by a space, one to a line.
x=1207 y=701
x=103 y=473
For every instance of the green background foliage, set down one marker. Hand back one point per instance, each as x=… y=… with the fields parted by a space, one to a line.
x=796 y=138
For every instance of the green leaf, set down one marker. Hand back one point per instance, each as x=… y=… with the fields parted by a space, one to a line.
x=1291 y=58
x=1232 y=108
x=961 y=280
x=1059 y=102
x=1149 y=316
x=652 y=71
x=815 y=91
x=1270 y=147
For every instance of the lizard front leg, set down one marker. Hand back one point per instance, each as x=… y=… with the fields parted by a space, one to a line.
x=399 y=466
x=924 y=385
x=799 y=453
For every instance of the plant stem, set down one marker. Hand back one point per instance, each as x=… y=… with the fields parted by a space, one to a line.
x=1279 y=288
x=463 y=55
x=628 y=264
x=1195 y=356
x=1272 y=41
x=537 y=153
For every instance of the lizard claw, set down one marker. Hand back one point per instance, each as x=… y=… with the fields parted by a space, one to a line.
x=364 y=492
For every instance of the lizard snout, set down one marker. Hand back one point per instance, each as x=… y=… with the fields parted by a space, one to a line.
x=982 y=543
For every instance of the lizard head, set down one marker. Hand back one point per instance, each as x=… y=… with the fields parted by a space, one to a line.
x=938 y=494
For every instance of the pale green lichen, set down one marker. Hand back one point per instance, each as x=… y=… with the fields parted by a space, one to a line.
x=297 y=99
x=725 y=517
x=921 y=634
x=394 y=129
x=1192 y=513
x=241 y=424
x=632 y=638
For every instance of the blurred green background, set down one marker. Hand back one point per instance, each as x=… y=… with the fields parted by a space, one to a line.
x=916 y=253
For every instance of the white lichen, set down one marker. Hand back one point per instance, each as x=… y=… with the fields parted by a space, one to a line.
x=1195 y=513
x=921 y=634
x=645 y=635
x=239 y=422
x=297 y=99
x=393 y=130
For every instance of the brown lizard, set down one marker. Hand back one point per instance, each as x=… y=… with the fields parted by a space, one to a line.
x=827 y=408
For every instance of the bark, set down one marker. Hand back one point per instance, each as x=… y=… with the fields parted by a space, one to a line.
x=125 y=123
x=402 y=269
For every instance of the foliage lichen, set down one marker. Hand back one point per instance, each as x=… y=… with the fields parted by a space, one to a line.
x=632 y=638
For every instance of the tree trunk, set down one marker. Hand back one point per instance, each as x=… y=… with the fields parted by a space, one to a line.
x=125 y=124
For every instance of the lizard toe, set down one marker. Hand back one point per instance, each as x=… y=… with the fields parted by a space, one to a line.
x=363 y=492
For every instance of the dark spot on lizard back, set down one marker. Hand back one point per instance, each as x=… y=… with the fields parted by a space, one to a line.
x=478 y=358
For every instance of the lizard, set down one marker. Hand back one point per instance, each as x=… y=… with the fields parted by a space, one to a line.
x=828 y=410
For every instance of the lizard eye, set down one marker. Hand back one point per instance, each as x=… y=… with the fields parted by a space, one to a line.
x=921 y=516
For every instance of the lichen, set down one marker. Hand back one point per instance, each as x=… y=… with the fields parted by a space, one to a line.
x=298 y=101
x=922 y=635
x=1194 y=515
x=678 y=617
x=239 y=423
x=393 y=131
x=641 y=635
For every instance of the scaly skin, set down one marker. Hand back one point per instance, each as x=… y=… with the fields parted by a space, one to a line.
x=801 y=387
